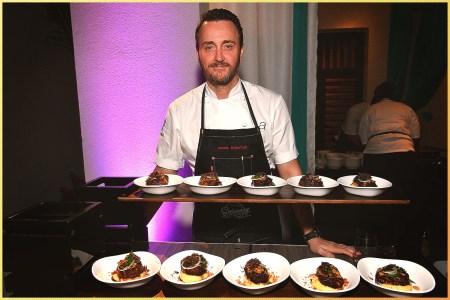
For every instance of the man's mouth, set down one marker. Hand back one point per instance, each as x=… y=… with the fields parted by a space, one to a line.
x=219 y=65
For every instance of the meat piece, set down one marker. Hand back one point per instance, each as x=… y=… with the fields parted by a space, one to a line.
x=210 y=179
x=194 y=264
x=256 y=272
x=130 y=267
x=330 y=276
x=363 y=180
x=156 y=178
x=392 y=274
x=310 y=181
x=261 y=179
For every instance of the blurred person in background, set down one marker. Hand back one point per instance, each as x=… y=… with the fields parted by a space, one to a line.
x=348 y=138
x=390 y=131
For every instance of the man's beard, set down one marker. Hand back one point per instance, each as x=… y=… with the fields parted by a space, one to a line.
x=226 y=79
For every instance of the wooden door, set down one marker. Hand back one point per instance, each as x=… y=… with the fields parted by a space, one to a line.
x=340 y=80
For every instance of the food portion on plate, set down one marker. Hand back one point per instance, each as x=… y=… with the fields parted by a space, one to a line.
x=364 y=184
x=210 y=179
x=328 y=278
x=325 y=276
x=194 y=268
x=394 y=277
x=256 y=274
x=158 y=183
x=261 y=184
x=157 y=178
x=209 y=183
x=310 y=181
x=363 y=180
x=129 y=268
x=312 y=185
x=261 y=179
x=191 y=269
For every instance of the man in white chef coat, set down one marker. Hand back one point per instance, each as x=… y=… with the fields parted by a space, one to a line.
x=235 y=128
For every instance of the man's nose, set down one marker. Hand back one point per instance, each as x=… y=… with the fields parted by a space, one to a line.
x=219 y=56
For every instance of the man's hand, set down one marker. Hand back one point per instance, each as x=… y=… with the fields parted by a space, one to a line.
x=328 y=248
x=165 y=171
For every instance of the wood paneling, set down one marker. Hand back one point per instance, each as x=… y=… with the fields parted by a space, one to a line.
x=340 y=78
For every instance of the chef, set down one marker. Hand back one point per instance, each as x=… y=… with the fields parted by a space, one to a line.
x=234 y=128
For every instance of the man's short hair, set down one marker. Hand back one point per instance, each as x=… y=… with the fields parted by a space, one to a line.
x=220 y=14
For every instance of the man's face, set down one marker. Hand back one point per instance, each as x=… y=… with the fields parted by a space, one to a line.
x=219 y=52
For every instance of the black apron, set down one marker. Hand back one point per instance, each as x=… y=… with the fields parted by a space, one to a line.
x=233 y=153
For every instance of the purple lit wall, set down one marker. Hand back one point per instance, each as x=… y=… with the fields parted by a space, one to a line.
x=132 y=60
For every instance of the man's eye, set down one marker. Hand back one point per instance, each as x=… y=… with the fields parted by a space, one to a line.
x=209 y=47
x=228 y=46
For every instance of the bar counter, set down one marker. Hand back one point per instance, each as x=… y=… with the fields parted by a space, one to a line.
x=219 y=287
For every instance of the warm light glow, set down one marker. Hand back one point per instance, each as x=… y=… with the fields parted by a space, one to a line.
x=132 y=60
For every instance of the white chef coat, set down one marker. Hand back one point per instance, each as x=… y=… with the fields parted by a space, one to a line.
x=353 y=117
x=389 y=116
x=181 y=130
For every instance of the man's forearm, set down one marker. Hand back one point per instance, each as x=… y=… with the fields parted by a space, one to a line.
x=304 y=215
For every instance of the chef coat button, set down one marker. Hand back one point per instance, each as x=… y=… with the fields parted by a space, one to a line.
x=244 y=124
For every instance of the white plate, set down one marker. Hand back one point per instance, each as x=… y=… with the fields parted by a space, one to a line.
x=302 y=269
x=328 y=185
x=246 y=183
x=174 y=182
x=441 y=266
x=227 y=183
x=170 y=269
x=423 y=280
x=382 y=185
x=234 y=271
x=103 y=268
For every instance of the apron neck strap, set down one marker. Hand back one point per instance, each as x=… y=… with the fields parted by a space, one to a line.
x=246 y=99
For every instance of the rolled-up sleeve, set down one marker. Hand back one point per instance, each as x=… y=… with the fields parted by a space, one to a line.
x=284 y=147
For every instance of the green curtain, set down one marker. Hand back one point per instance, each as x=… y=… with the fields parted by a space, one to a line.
x=428 y=64
x=299 y=79
x=399 y=46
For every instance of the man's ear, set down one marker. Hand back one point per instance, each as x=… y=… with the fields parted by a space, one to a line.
x=242 y=52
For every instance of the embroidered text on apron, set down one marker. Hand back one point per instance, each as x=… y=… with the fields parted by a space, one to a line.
x=233 y=153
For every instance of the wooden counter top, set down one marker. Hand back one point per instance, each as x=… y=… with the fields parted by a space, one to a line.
x=286 y=195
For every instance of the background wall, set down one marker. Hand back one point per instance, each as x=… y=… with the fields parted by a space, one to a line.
x=375 y=17
x=132 y=60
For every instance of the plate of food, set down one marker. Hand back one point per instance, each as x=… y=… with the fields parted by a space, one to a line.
x=257 y=273
x=312 y=185
x=191 y=269
x=395 y=277
x=261 y=184
x=324 y=276
x=126 y=270
x=209 y=183
x=364 y=184
x=157 y=183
